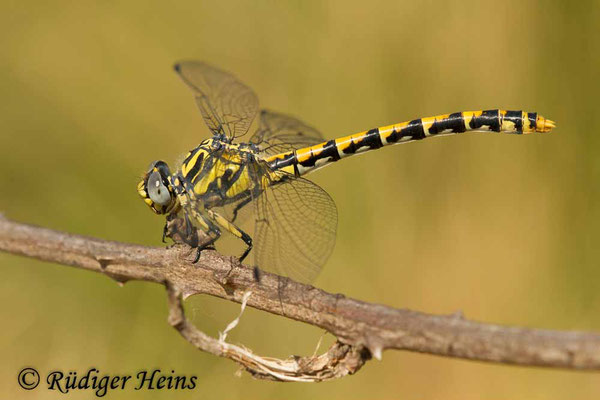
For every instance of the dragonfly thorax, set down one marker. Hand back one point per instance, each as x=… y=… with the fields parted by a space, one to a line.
x=217 y=173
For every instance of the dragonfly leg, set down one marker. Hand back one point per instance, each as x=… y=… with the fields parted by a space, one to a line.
x=188 y=226
x=165 y=231
x=239 y=207
x=211 y=230
x=214 y=236
x=248 y=240
x=234 y=230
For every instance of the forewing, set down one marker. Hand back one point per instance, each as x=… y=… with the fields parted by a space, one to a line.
x=227 y=105
x=279 y=133
x=296 y=223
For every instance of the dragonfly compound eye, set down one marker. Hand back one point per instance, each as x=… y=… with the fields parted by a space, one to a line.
x=158 y=192
x=155 y=188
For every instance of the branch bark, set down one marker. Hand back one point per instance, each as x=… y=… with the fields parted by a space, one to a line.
x=362 y=329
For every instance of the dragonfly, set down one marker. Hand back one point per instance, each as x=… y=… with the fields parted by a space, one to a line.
x=295 y=220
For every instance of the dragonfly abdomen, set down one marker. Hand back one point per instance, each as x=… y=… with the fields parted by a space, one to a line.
x=304 y=160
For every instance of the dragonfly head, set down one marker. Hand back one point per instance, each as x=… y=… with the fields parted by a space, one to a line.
x=156 y=190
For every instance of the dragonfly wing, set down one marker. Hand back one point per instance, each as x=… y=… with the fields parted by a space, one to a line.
x=279 y=133
x=227 y=105
x=296 y=223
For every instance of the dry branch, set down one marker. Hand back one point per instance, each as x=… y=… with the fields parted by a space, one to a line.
x=362 y=329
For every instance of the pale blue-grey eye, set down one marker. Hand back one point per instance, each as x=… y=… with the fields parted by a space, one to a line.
x=157 y=191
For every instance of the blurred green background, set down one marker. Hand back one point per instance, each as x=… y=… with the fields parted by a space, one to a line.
x=498 y=226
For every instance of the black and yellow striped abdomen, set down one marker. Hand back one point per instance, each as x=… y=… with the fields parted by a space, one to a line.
x=302 y=161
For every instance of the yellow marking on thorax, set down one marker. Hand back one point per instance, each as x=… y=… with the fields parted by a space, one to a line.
x=242 y=184
x=185 y=168
x=202 y=185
